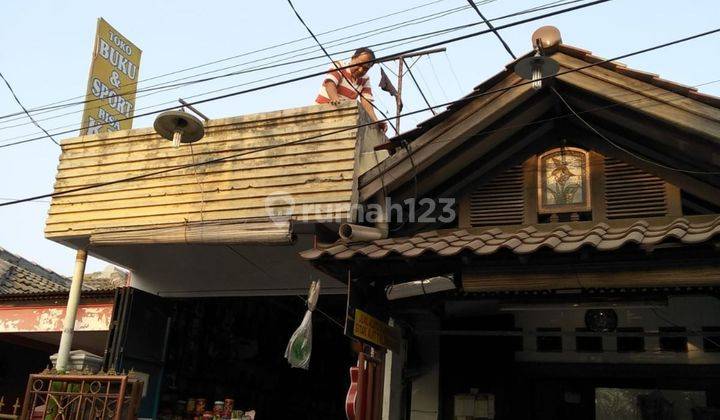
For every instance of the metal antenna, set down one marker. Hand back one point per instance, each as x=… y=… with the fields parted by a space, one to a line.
x=193 y=109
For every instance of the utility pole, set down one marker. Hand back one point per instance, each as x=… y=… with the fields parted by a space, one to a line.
x=401 y=62
x=398 y=99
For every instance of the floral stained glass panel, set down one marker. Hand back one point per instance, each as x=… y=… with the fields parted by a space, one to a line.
x=563 y=181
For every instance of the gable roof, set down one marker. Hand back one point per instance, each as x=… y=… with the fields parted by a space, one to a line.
x=603 y=91
x=21 y=277
x=582 y=54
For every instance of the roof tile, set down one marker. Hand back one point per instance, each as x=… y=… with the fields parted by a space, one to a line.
x=560 y=239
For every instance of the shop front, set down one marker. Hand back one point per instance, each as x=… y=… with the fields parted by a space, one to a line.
x=200 y=354
x=217 y=287
x=541 y=251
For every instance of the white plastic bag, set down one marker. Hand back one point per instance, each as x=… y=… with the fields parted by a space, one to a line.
x=299 y=347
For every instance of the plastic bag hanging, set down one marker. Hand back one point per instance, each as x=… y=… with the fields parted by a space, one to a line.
x=299 y=348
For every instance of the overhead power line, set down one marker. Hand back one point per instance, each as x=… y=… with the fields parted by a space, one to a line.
x=169 y=85
x=492 y=28
x=337 y=67
x=385 y=58
x=263 y=49
x=269 y=147
x=412 y=76
x=624 y=149
x=25 y=110
x=267 y=66
x=483 y=132
x=259 y=68
x=350 y=38
x=8 y=140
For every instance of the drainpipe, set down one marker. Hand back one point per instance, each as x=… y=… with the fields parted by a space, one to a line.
x=357 y=233
x=71 y=311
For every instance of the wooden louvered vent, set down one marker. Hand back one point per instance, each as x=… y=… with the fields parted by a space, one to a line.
x=632 y=192
x=499 y=202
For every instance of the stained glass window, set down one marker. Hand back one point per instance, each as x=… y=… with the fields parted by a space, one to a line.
x=563 y=181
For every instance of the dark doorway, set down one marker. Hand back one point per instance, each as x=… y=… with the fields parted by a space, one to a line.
x=234 y=348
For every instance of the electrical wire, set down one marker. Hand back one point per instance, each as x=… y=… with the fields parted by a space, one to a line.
x=330 y=318
x=271 y=47
x=168 y=84
x=263 y=148
x=174 y=101
x=274 y=64
x=421 y=91
x=548 y=5
x=437 y=79
x=235 y=156
x=273 y=280
x=544 y=6
x=428 y=87
x=411 y=50
x=624 y=149
x=492 y=28
x=452 y=70
x=337 y=67
x=359 y=92
x=25 y=110
x=165 y=87
x=34 y=201
x=227 y=158
x=670 y=322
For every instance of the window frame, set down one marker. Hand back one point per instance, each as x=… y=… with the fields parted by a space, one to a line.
x=564 y=208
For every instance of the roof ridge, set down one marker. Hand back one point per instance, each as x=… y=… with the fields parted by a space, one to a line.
x=655 y=79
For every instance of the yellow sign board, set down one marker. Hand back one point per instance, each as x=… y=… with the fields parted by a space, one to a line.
x=368 y=328
x=110 y=97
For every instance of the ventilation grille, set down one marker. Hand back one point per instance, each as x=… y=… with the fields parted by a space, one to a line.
x=631 y=192
x=500 y=202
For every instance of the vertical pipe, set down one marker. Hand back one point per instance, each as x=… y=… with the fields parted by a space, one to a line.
x=398 y=99
x=71 y=311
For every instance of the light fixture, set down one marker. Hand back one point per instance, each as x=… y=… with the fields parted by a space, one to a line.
x=601 y=320
x=420 y=287
x=544 y=40
x=536 y=68
x=179 y=127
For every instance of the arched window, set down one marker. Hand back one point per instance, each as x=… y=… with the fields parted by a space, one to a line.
x=563 y=181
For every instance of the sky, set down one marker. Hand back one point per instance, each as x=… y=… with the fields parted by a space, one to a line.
x=47 y=48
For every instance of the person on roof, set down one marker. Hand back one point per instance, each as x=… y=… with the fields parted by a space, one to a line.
x=344 y=84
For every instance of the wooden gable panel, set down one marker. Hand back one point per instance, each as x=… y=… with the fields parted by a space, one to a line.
x=318 y=173
x=499 y=202
x=632 y=192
